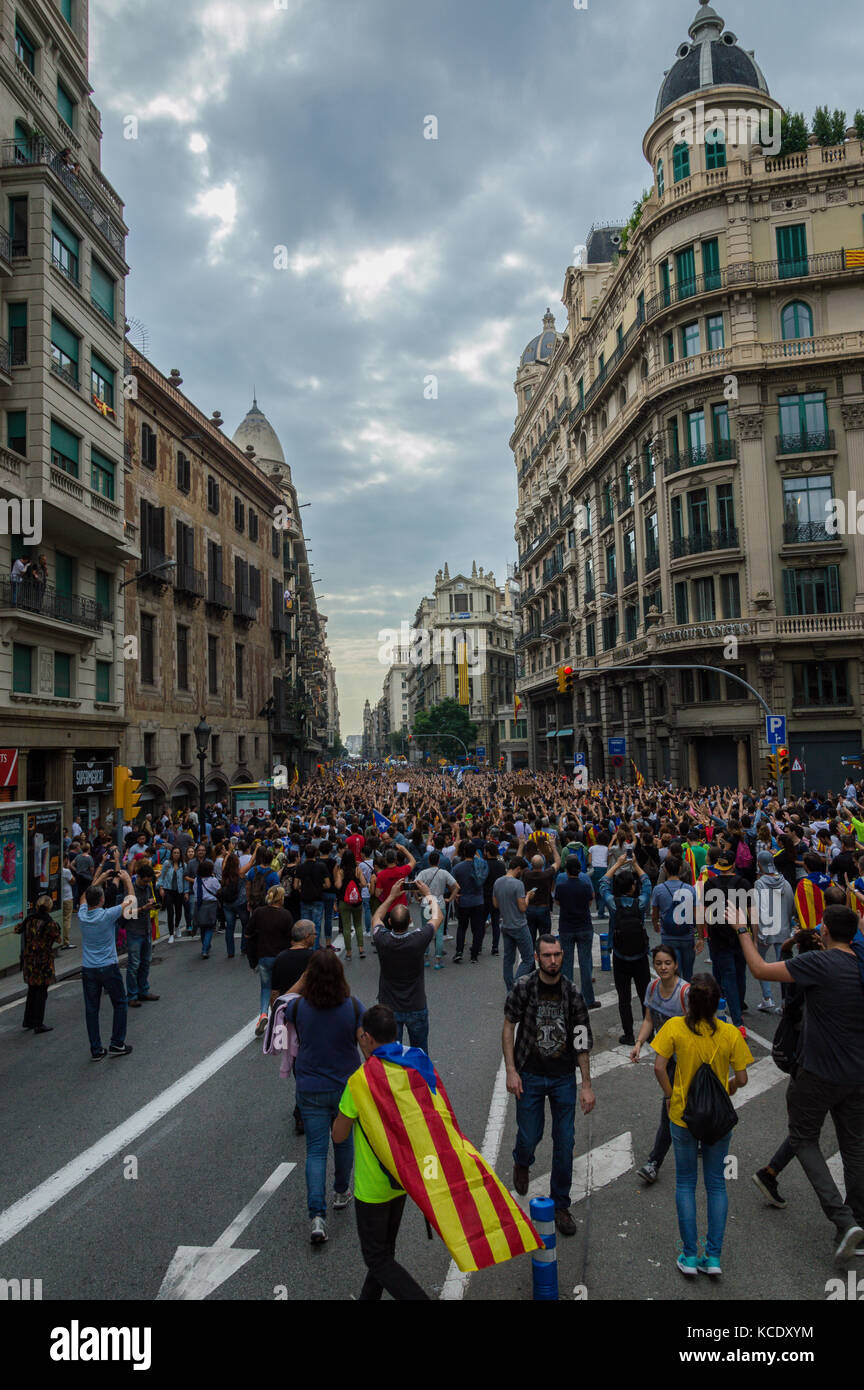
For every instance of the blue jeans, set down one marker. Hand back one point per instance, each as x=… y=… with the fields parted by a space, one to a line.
x=139 y=953
x=313 y=912
x=367 y=917
x=530 y=1115
x=539 y=920
x=596 y=875
x=583 y=943
x=513 y=937
x=686 y=1149
x=328 y=907
x=417 y=1024
x=763 y=948
x=319 y=1110
x=685 y=949
x=265 y=972
x=94 y=980
x=730 y=972
x=232 y=916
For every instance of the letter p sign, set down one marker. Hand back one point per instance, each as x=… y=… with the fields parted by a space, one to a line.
x=775 y=728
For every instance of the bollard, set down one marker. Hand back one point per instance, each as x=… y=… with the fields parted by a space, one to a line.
x=544 y=1263
x=721 y=1011
x=605 y=950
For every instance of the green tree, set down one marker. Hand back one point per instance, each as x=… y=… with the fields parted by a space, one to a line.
x=794 y=133
x=823 y=126
x=859 y=124
x=396 y=741
x=839 y=126
x=446 y=718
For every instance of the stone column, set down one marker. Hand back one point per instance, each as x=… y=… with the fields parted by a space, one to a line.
x=58 y=780
x=21 y=789
x=743 y=779
x=853 y=424
x=755 y=520
x=692 y=765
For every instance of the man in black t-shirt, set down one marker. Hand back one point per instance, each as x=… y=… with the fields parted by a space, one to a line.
x=727 y=963
x=312 y=880
x=401 y=958
x=496 y=869
x=287 y=968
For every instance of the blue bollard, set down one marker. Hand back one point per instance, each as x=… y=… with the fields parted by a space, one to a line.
x=544 y=1263
x=605 y=950
x=721 y=1011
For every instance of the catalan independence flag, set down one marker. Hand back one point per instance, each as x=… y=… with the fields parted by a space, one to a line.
x=640 y=780
x=809 y=904
x=854 y=259
x=690 y=858
x=591 y=836
x=414 y=1134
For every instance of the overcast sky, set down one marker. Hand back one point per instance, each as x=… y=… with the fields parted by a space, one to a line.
x=300 y=125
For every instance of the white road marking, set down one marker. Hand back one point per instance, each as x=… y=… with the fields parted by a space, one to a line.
x=835 y=1168
x=456 y=1280
x=42 y=1198
x=596 y=1168
x=763 y=1042
x=760 y=1078
x=196 y=1270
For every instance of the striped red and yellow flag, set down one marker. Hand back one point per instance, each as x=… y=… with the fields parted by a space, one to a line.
x=690 y=858
x=590 y=836
x=809 y=904
x=854 y=259
x=414 y=1134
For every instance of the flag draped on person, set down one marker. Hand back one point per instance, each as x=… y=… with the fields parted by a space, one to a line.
x=381 y=822
x=809 y=904
x=409 y=1124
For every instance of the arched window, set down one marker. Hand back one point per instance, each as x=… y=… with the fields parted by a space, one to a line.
x=715 y=150
x=681 y=162
x=797 y=320
x=661 y=182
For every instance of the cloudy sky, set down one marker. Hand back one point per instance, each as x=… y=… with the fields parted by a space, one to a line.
x=299 y=124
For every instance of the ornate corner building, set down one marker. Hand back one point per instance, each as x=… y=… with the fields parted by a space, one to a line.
x=680 y=446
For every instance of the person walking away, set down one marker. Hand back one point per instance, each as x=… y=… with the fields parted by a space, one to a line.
x=289 y=967
x=598 y=858
x=629 y=938
x=267 y=935
x=311 y=881
x=205 y=892
x=39 y=932
x=575 y=927
x=68 y=879
x=99 y=968
x=469 y=904
x=699 y=1037
x=329 y=898
x=84 y=869
x=719 y=894
x=232 y=896
x=327 y=1020
x=379 y=1202
x=673 y=913
x=195 y=857
x=830 y=1076
x=401 y=950
x=541 y=877
x=511 y=899
x=775 y=917
x=139 y=942
x=439 y=881
x=546 y=1035
x=496 y=869
x=348 y=883
x=665 y=998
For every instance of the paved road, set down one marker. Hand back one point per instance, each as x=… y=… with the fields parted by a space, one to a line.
x=204 y=1120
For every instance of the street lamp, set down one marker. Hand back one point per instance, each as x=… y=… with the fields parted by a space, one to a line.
x=202 y=741
x=146 y=574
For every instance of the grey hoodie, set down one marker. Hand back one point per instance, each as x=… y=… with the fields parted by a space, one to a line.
x=776 y=908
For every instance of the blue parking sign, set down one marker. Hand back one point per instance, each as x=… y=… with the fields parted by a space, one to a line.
x=775 y=729
x=579 y=760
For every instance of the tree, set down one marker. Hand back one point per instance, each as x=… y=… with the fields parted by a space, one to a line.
x=839 y=126
x=794 y=133
x=446 y=718
x=859 y=124
x=396 y=741
x=829 y=128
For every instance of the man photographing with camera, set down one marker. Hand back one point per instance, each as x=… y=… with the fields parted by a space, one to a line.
x=401 y=958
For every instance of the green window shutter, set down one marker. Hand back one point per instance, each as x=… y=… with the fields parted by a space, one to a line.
x=22 y=669
x=792 y=251
x=790 y=594
x=832 y=575
x=102 y=289
x=101 y=368
x=66 y=10
x=64 y=570
x=65 y=340
x=685 y=273
x=102 y=474
x=681 y=162
x=17 y=316
x=65 y=234
x=103 y=681
x=22 y=142
x=711 y=263
x=715 y=152
x=62 y=675
x=105 y=590
x=16 y=431
x=65 y=104
x=65 y=442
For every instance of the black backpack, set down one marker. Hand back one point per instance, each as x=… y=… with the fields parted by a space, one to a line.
x=787 y=1038
x=709 y=1113
x=629 y=937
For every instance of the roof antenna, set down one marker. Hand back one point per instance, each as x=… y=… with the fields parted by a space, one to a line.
x=254 y=397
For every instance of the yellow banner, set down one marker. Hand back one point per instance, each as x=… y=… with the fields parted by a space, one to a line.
x=464 y=689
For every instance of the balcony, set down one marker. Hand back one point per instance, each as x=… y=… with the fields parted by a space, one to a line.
x=245 y=608
x=67 y=374
x=647 y=484
x=61 y=608
x=652 y=561
x=696 y=456
x=806 y=442
x=552 y=569
x=154 y=559
x=39 y=151
x=565 y=514
x=220 y=595
x=189 y=581
x=631 y=575
x=590 y=594
x=688 y=289
x=807 y=533
x=555 y=622
x=607 y=519
x=702 y=542
x=281 y=622
x=611 y=585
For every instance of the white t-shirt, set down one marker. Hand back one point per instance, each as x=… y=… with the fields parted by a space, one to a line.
x=439 y=882
x=68 y=879
x=599 y=856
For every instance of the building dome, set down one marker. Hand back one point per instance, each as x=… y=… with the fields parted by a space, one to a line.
x=255 y=429
x=542 y=348
x=712 y=58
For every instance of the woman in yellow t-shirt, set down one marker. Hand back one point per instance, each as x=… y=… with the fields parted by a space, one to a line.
x=696 y=1038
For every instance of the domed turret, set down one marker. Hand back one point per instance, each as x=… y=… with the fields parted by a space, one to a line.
x=711 y=59
x=542 y=348
x=255 y=429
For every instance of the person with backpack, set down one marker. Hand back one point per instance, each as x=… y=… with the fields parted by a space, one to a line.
x=673 y=913
x=232 y=900
x=439 y=881
x=666 y=998
x=348 y=883
x=267 y=935
x=628 y=936
x=470 y=910
x=830 y=1075
x=541 y=877
x=701 y=1115
x=716 y=896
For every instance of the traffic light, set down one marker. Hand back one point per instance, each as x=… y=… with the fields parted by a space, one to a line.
x=783 y=761
x=126 y=789
x=568 y=680
x=121 y=777
x=772 y=766
x=562 y=681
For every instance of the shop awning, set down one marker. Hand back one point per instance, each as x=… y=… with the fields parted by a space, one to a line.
x=552 y=735
x=565 y=733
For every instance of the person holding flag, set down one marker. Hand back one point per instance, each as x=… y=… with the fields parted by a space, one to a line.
x=408 y=1143
x=809 y=893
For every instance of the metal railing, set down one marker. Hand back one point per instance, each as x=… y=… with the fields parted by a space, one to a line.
x=703 y=541
x=219 y=594
x=63 y=608
x=631 y=575
x=807 y=532
x=695 y=456
x=686 y=289
x=38 y=150
x=188 y=580
x=281 y=622
x=245 y=607
x=806 y=442
x=67 y=374
x=652 y=561
x=647 y=484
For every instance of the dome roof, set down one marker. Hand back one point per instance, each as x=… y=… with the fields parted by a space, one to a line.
x=542 y=348
x=711 y=59
x=255 y=429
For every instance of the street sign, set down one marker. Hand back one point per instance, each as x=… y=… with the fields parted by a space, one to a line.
x=798 y=766
x=775 y=728
x=481 y=750
x=92 y=776
x=616 y=760
x=617 y=749
x=579 y=759
x=8 y=767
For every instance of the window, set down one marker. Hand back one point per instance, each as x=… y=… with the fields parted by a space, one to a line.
x=651 y=546
x=682 y=604
x=212 y=664
x=102 y=290
x=681 y=162
x=102 y=474
x=590 y=640
x=18 y=225
x=253 y=525
x=685 y=273
x=806 y=505
x=711 y=264
x=149 y=750
x=812 y=590
x=589 y=578
x=688 y=688
x=640 y=307
x=238 y=670
x=152 y=534
x=182 y=657
x=715 y=336
x=792 y=251
x=629 y=550
x=23 y=144
x=212 y=495
x=105 y=594
x=18 y=334
x=65 y=351
x=698 y=517
x=239 y=516
x=580 y=391
x=670 y=347
x=148 y=649
x=601 y=365
x=703 y=599
x=103 y=682
x=65 y=249
x=715 y=151
x=66 y=104
x=730 y=596
x=148 y=447
x=610 y=632
x=184 y=473
x=649 y=464
x=819 y=683
x=709 y=687
x=62 y=676
x=274 y=542
x=677 y=511
x=626 y=488
x=16 y=431
x=796 y=320
x=185 y=749
x=672 y=432
x=690 y=341
x=611 y=569
x=102 y=383
x=665 y=282
x=25 y=47
x=66 y=10
x=460 y=603
x=65 y=449
x=22 y=669
x=804 y=422
x=696 y=441
x=734 y=691
x=725 y=512
x=631 y=622
x=661 y=182
x=720 y=430
x=241 y=748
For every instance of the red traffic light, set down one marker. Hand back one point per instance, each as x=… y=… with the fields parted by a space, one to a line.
x=568 y=670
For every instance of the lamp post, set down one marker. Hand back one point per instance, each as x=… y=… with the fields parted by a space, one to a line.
x=202 y=741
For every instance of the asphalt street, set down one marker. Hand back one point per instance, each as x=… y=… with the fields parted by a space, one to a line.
x=110 y=1167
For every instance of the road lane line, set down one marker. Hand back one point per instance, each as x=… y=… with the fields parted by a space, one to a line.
x=28 y=1208
x=760 y=1078
x=456 y=1281
x=592 y=1170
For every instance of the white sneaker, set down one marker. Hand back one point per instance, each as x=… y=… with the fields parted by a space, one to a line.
x=319 y=1231
x=767 y=1006
x=341 y=1200
x=170 y=941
